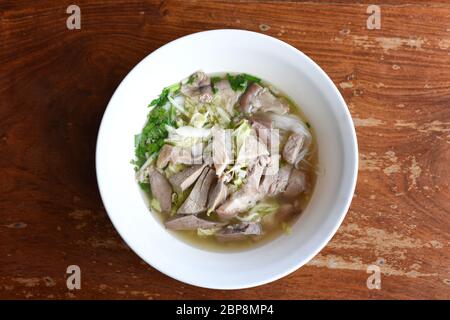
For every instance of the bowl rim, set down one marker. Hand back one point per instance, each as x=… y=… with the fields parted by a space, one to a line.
x=353 y=142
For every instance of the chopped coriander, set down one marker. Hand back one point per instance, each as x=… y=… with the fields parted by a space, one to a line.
x=152 y=137
x=241 y=81
x=137 y=139
x=214 y=80
x=164 y=96
x=191 y=79
x=144 y=186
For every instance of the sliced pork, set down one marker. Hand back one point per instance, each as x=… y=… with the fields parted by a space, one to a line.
x=275 y=184
x=248 y=195
x=246 y=102
x=287 y=124
x=239 y=231
x=292 y=148
x=178 y=155
x=257 y=98
x=221 y=149
x=251 y=150
x=262 y=132
x=228 y=96
x=198 y=85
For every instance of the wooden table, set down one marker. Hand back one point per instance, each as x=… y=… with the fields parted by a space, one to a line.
x=55 y=84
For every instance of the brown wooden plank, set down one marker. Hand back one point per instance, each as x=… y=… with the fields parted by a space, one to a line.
x=54 y=87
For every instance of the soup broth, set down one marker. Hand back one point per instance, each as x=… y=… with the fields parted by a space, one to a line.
x=258 y=206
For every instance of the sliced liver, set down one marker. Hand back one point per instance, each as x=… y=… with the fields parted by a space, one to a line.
x=191 y=222
x=161 y=189
x=182 y=180
x=217 y=195
x=196 y=201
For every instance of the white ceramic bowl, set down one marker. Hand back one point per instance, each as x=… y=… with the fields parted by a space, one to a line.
x=234 y=51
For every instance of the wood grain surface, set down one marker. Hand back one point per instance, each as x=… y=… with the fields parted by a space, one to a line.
x=55 y=84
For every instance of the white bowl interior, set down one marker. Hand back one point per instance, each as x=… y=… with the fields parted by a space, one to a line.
x=233 y=51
